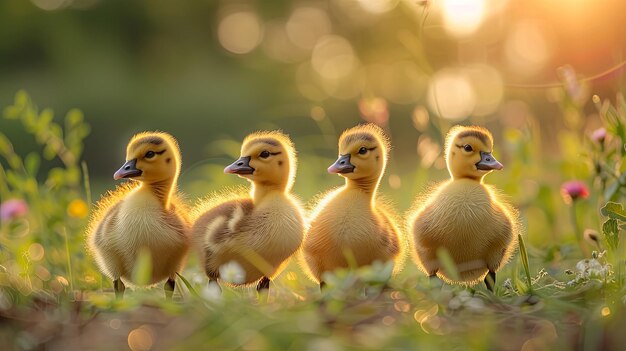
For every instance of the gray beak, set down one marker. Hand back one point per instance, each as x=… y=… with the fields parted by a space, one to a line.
x=241 y=166
x=488 y=162
x=342 y=165
x=128 y=170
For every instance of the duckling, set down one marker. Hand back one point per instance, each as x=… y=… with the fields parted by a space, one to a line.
x=466 y=217
x=351 y=225
x=261 y=231
x=145 y=213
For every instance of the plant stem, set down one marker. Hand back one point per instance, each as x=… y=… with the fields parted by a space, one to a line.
x=69 y=259
x=576 y=228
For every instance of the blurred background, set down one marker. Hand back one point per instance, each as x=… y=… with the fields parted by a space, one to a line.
x=209 y=72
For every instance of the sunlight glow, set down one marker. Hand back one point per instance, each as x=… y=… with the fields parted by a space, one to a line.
x=527 y=48
x=240 y=32
x=463 y=17
x=378 y=6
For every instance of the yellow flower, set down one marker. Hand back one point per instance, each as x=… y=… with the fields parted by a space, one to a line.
x=77 y=209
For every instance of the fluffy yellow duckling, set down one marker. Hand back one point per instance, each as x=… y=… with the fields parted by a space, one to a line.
x=260 y=231
x=145 y=213
x=351 y=225
x=464 y=216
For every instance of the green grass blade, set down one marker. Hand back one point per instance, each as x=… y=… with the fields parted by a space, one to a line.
x=524 y=256
x=188 y=285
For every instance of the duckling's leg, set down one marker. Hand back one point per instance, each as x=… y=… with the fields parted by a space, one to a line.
x=169 y=286
x=322 y=284
x=264 y=284
x=119 y=287
x=490 y=280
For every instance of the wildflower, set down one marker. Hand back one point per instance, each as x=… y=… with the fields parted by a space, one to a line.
x=13 y=208
x=232 y=272
x=598 y=135
x=508 y=284
x=589 y=268
x=574 y=190
x=465 y=300
x=77 y=208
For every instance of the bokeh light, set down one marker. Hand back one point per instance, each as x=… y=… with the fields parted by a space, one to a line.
x=527 y=47
x=463 y=17
x=307 y=25
x=333 y=57
x=378 y=6
x=240 y=32
x=488 y=88
x=141 y=339
x=451 y=94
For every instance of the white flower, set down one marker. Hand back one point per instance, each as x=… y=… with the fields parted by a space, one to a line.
x=465 y=300
x=211 y=291
x=232 y=272
x=591 y=268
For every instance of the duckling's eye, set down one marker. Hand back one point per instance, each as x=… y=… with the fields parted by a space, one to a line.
x=264 y=154
x=468 y=148
x=362 y=150
x=150 y=154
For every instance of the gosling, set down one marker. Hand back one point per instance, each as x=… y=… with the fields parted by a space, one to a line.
x=145 y=213
x=259 y=232
x=351 y=225
x=469 y=219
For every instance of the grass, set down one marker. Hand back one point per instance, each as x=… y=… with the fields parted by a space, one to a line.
x=550 y=296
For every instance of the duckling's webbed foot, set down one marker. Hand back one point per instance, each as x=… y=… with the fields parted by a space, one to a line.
x=119 y=287
x=169 y=287
x=490 y=280
x=264 y=284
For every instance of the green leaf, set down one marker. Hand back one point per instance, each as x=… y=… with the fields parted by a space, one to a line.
x=142 y=274
x=5 y=145
x=611 y=232
x=611 y=190
x=187 y=284
x=31 y=163
x=447 y=263
x=614 y=210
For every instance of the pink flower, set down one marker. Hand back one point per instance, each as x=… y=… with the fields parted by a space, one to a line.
x=599 y=135
x=574 y=190
x=12 y=209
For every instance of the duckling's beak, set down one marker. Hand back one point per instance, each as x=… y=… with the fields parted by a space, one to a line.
x=241 y=166
x=342 y=165
x=488 y=162
x=128 y=170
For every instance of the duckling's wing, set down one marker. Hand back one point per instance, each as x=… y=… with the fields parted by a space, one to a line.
x=106 y=208
x=220 y=223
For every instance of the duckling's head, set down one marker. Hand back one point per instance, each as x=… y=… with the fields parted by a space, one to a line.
x=468 y=152
x=151 y=157
x=362 y=153
x=267 y=159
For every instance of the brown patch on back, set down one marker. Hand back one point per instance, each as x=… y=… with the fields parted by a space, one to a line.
x=224 y=210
